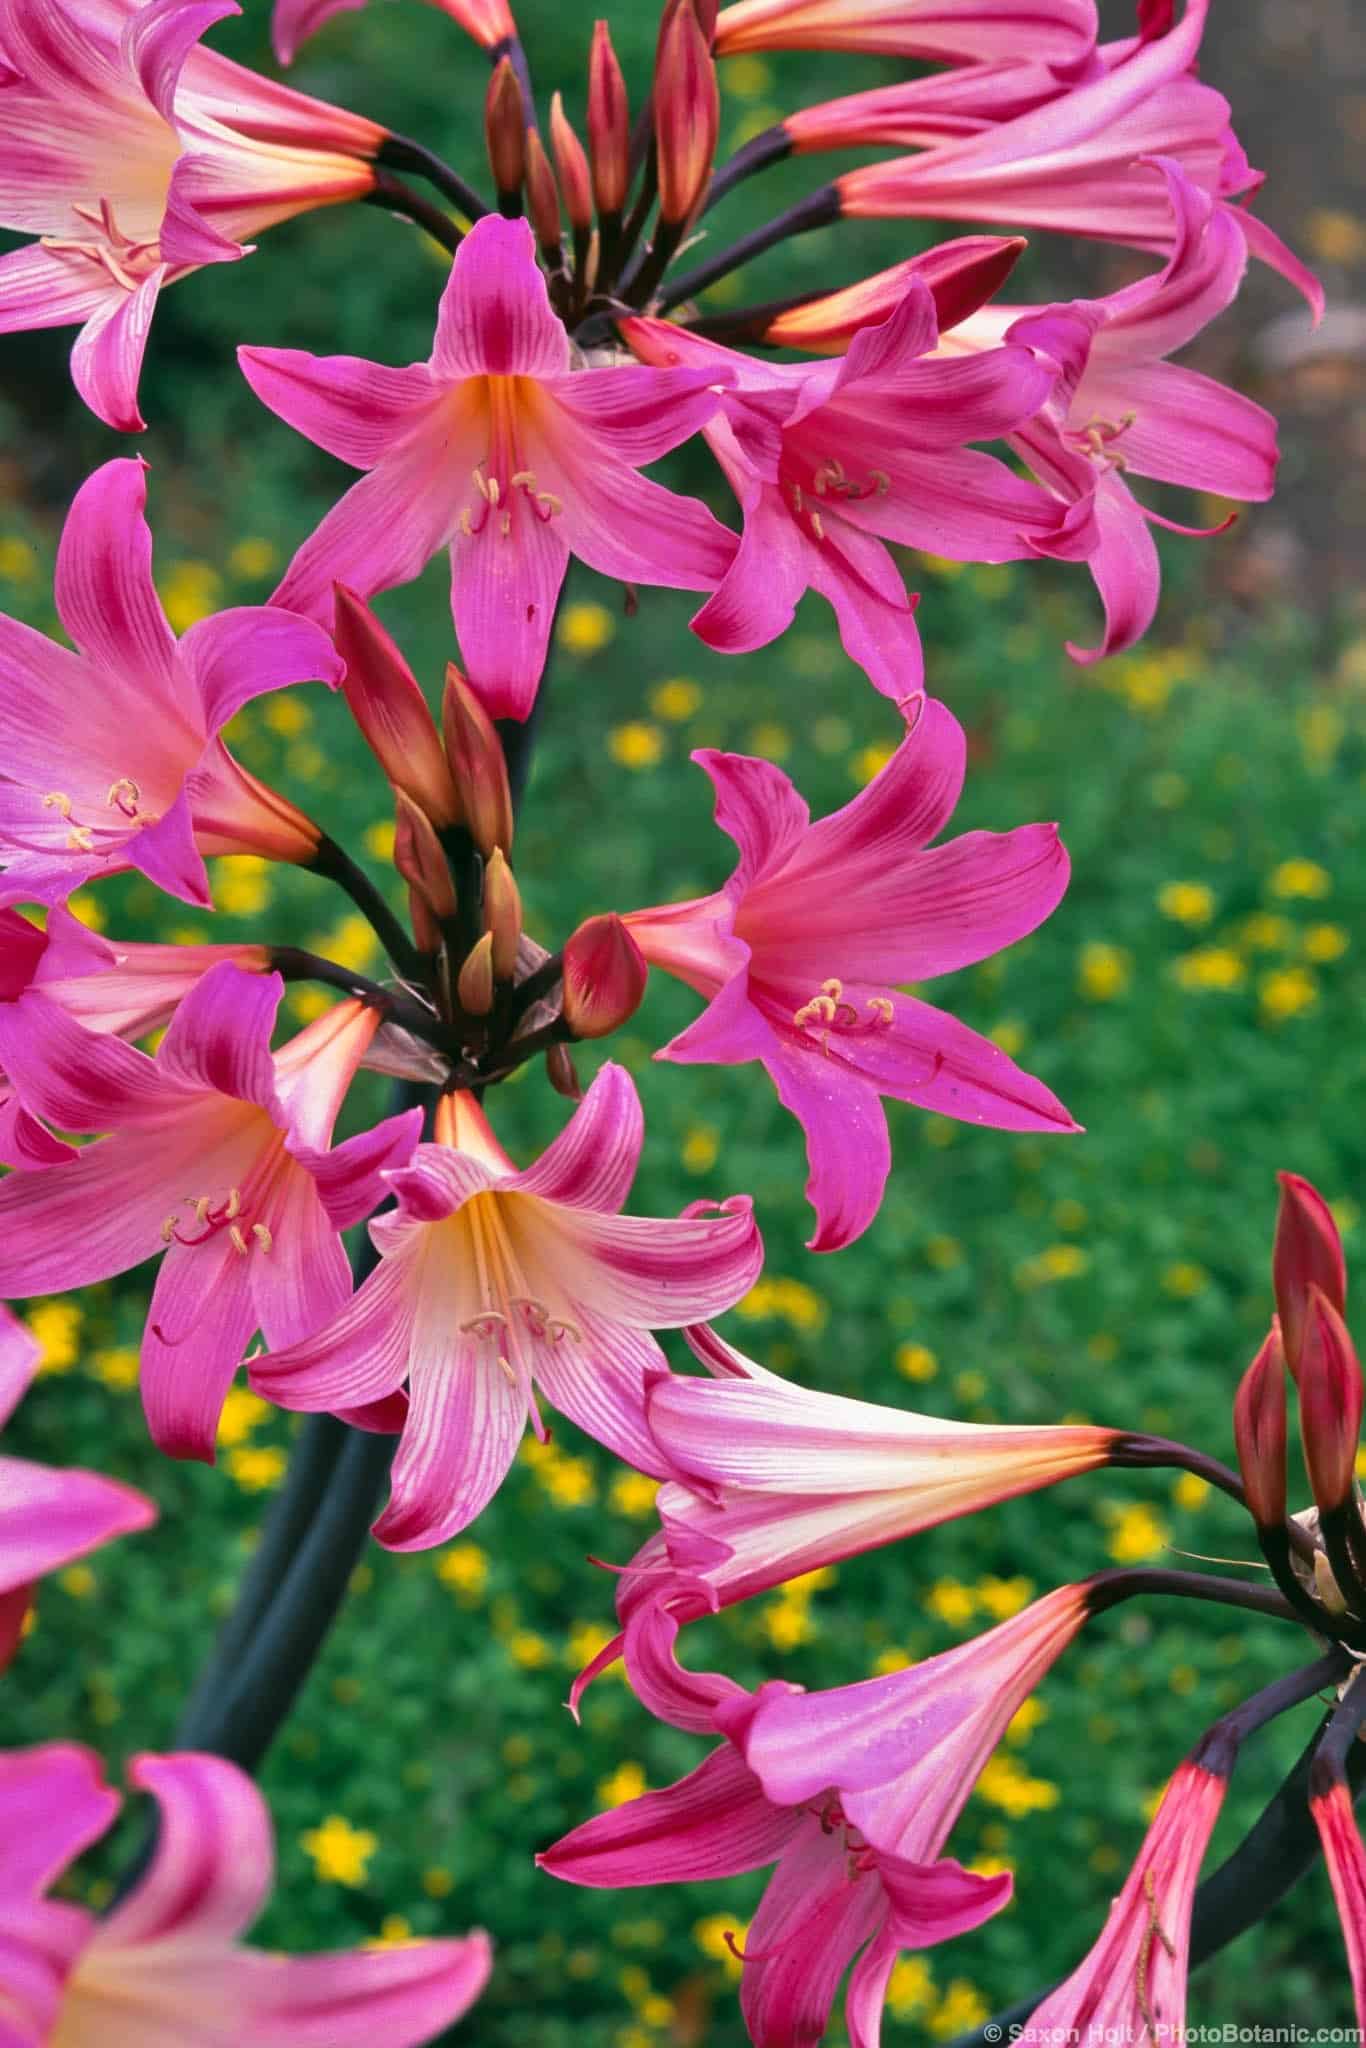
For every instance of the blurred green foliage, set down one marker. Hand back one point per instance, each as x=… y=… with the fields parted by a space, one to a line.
x=1195 y=1002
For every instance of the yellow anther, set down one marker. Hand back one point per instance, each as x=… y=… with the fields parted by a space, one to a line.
x=262 y=1236
x=882 y=1008
x=122 y=793
x=560 y=1330
x=168 y=1229
x=505 y=524
x=465 y=525
x=816 y=526
x=202 y=1205
x=239 y=1242
x=495 y=491
x=525 y=477
x=234 y=1207
x=796 y=497
x=78 y=840
x=881 y=480
x=481 y=483
x=504 y=1367
x=57 y=800
x=549 y=498
x=833 y=987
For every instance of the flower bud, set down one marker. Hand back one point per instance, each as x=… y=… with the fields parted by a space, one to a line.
x=609 y=123
x=390 y=709
x=502 y=914
x=542 y=199
x=478 y=769
x=562 y=1073
x=687 y=109
x=1330 y=1403
x=571 y=163
x=419 y=857
x=505 y=130
x=1259 y=1430
x=1307 y=1253
x=474 y=989
x=604 y=977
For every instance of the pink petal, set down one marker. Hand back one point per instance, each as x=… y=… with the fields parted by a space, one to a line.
x=79 y=1080
x=103 y=586
x=1126 y=571
x=48 y=1518
x=907 y=802
x=40 y=1945
x=19 y=1355
x=240 y=654
x=305 y=1277
x=504 y=589
x=655 y=1273
x=465 y=1422
x=715 y=1822
x=199 y=1322
x=187 y=239
x=350 y=1178
x=681 y=1698
x=757 y=598
x=495 y=317
x=168 y=855
x=292 y=22
x=1336 y=1822
x=401 y=1997
x=219 y=1037
x=68 y=1226
x=959 y=503
x=1268 y=247
x=932 y=1902
x=352 y=408
x=731 y=1029
x=158 y=39
x=847 y=1148
x=758 y=807
x=927 y=1057
x=214 y=1861
x=598 y=1380
x=53 y=1804
x=42 y=288
x=624 y=525
x=106 y=357
x=862 y=585
x=357 y=1358
x=24 y=1142
x=1189 y=429
x=811 y=1922
x=636 y=414
x=593 y=1161
x=867 y=1992
x=56 y=717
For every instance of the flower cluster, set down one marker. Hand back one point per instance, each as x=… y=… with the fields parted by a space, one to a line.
x=570 y=353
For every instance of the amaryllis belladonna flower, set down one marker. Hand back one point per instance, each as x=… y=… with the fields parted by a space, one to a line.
x=495 y=449
x=110 y=757
x=166 y=1968
x=853 y=1793
x=217 y=1155
x=831 y=460
x=492 y=1282
x=801 y=954
x=136 y=159
x=48 y=1516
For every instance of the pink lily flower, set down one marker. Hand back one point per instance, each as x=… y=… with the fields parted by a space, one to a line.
x=939 y=31
x=831 y=460
x=135 y=165
x=166 y=1968
x=494 y=449
x=48 y=1518
x=493 y=1281
x=775 y=1480
x=1132 y=1985
x=918 y=113
x=1075 y=164
x=854 y=1792
x=962 y=275
x=1119 y=409
x=800 y=954
x=1335 y=1818
x=217 y=1155
x=111 y=755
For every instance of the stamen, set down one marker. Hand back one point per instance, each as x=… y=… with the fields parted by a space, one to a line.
x=262 y=1235
x=495 y=491
x=1153 y=1929
x=816 y=526
x=481 y=484
x=882 y=483
x=124 y=795
x=168 y=1229
x=79 y=840
x=551 y=502
x=505 y=524
x=57 y=800
x=234 y=1205
x=833 y=987
x=239 y=1243
x=526 y=478
x=883 y=1009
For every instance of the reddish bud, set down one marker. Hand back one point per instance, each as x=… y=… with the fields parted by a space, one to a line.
x=609 y=123
x=562 y=1073
x=1330 y=1403
x=1259 y=1430
x=1307 y=1253
x=571 y=163
x=542 y=199
x=505 y=128
x=474 y=988
x=502 y=914
x=478 y=769
x=687 y=108
x=604 y=977
x=419 y=858
x=390 y=709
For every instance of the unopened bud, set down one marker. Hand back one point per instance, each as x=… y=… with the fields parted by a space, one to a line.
x=419 y=858
x=478 y=769
x=1330 y=1403
x=687 y=108
x=502 y=914
x=390 y=709
x=474 y=989
x=542 y=199
x=1259 y=1430
x=1307 y=1253
x=609 y=123
x=505 y=129
x=604 y=977
x=571 y=162
x=562 y=1073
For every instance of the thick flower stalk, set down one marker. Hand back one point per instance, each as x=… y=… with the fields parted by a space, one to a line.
x=497 y=451
x=493 y=1282
x=218 y=1156
x=111 y=756
x=167 y=1968
x=136 y=159
x=802 y=954
x=48 y=1517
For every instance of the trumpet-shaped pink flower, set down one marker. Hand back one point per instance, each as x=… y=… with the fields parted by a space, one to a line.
x=166 y=1968
x=1132 y=1985
x=490 y=22
x=494 y=449
x=1120 y=410
x=110 y=757
x=491 y=1281
x=800 y=954
x=940 y=31
x=136 y=159
x=854 y=1793
x=217 y=1155
x=1075 y=164
x=831 y=460
x=48 y=1518
x=1335 y=1818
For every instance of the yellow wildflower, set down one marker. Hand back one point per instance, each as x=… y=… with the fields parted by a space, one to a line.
x=1287 y=992
x=870 y=761
x=701 y=1147
x=636 y=744
x=1300 y=878
x=1212 y=967
x=189 y=592
x=1184 y=1279
x=528 y=1650
x=465 y=1569
x=626 y=1782
x=1187 y=902
x=678 y=699
x=585 y=628
x=633 y=1493
x=242 y=1412
x=57 y=1327
x=951 y=1602
x=341 y=1853
x=1104 y=971
x=1136 y=1534
x=1324 y=942
x=117 y=1367
x=916 y=1361
x=286 y=714
x=256 y=1468
x=252 y=559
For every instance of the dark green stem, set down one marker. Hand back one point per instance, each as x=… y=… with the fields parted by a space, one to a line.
x=295 y=964
x=1143 y=1451
x=756 y=155
x=396 y=197
x=337 y=865
x=400 y=154
x=818 y=210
